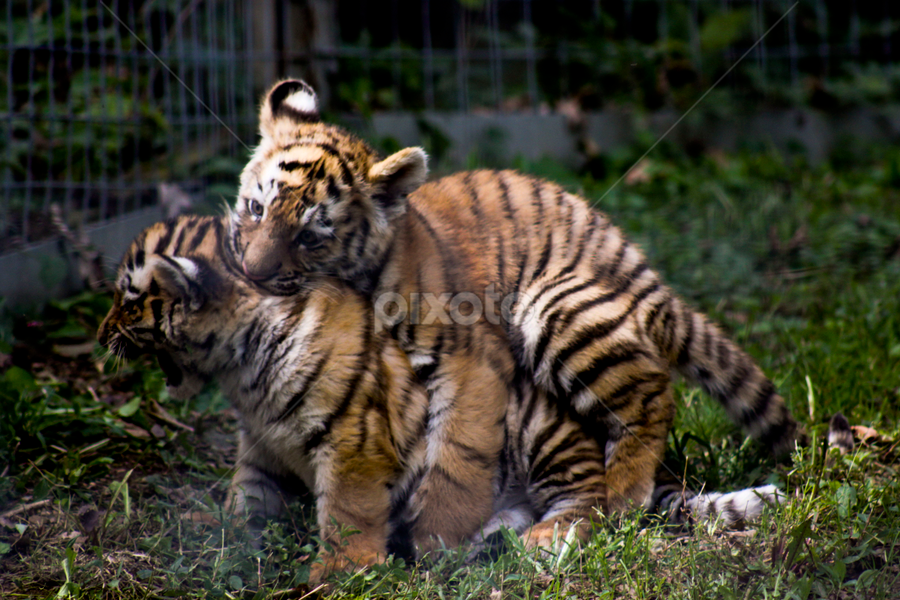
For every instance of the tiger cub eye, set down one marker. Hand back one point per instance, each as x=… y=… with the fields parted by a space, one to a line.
x=309 y=239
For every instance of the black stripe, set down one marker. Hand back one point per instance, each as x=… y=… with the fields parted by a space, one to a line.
x=449 y=261
x=297 y=399
x=684 y=353
x=593 y=281
x=650 y=397
x=364 y=229
x=347 y=243
x=736 y=382
x=346 y=174
x=570 y=477
x=272 y=358
x=294 y=165
x=367 y=280
x=504 y=468
x=139 y=258
x=504 y=199
x=439 y=470
x=626 y=283
x=199 y=236
x=552 y=323
x=177 y=249
x=572 y=312
x=668 y=331
x=156 y=307
x=545 y=256
x=207 y=344
x=537 y=186
x=313 y=442
x=413 y=439
x=550 y=285
x=567 y=221
x=426 y=372
x=526 y=422
x=174 y=305
x=583 y=242
x=598 y=330
x=566 y=486
x=610 y=268
x=618 y=399
x=473 y=455
x=539 y=470
x=761 y=404
x=332 y=189
x=537 y=203
x=253 y=339
x=707 y=342
x=163 y=240
x=472 y=191
x=724 y=357
x=501 y=259
x=586 y=377
x=295 y=193
x=654 y=313
x=775 y=434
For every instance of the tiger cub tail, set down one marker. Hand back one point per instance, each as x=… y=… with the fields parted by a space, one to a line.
x=680 y=506
x=700 y=351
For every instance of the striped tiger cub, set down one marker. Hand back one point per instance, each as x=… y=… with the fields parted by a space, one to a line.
x=324 y=399
x=545 y=276
x=327 y=401
x=583 y=314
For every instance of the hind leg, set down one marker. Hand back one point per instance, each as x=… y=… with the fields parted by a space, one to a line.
x=635 y=440
x=566 y=475
x=464 y=438
x=583 y=341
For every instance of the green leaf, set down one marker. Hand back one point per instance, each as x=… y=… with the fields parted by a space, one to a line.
x=724 y=29
x=235 y=582
x=302 y=574
x=19 y=380
x=129 y=408
x=846 y=498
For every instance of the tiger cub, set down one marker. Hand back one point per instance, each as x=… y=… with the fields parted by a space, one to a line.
x=540 y=273
x=323 y=398
x=328 y=401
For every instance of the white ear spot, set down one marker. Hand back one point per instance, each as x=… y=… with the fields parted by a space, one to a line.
x=302 y=102
x=188 y=266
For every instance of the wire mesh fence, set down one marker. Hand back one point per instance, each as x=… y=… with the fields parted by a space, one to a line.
x=104 y=100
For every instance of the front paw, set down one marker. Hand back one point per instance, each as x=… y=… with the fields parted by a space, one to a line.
x=329 y=562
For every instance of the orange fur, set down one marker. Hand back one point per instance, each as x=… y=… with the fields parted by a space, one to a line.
x=593 y=326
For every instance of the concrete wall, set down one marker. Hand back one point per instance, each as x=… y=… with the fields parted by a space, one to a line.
x=505 y=136
x=44 y=271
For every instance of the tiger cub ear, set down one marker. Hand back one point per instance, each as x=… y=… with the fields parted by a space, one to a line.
x=290 y=99
x=398 y=175
x=190 y=279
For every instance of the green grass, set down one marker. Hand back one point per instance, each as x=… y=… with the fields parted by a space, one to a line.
x=111 y=489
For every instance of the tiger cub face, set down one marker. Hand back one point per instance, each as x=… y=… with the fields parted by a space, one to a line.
x=159 y=297
x=314 y=199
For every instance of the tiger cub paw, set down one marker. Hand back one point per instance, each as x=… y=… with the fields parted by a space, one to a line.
x=556 y=536
x=329 y=562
